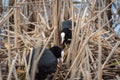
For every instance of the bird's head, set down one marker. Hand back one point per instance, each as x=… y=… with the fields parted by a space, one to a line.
x=58 y=52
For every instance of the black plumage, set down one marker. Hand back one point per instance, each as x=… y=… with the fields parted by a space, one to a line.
x=48 y=61
x=66 y=32
x=67 y=24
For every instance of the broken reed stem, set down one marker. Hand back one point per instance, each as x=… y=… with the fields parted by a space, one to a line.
x=37 y=60
x=111 y=53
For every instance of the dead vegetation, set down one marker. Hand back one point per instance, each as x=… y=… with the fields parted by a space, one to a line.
x=94 y=53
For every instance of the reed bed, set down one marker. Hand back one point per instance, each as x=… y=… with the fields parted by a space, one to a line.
x=94 y=52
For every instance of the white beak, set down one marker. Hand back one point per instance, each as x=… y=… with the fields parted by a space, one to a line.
x=62 y=55
x=63 y=37
x=61 y=60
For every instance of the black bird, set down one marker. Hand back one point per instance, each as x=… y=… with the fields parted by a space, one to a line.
x=66 y=32
x=48 y=61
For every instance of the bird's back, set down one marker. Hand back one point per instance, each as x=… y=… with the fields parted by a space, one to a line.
x=67 y=24
x=47 y=64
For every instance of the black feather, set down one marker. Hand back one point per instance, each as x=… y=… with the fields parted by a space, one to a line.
x=67 y=29
x=47 y=63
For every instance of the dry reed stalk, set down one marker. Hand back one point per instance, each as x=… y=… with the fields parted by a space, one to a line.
x=99 y=58
x=88 y=65
x=63 y=11
x=16 y=18
x=72 y=14
x=12 y=67
x=83 y=71
x=55 y=21
x=1 y=78
x=59 y=14
x=29 y=63
x=99 y=72
x=42 y=19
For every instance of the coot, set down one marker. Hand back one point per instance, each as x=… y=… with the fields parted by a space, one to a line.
x=66 y=32
x=48 y=61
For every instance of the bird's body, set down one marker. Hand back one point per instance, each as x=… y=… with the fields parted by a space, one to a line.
x=46 y=67
x=67 y=24
x=66 y=32
x=47 y=63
